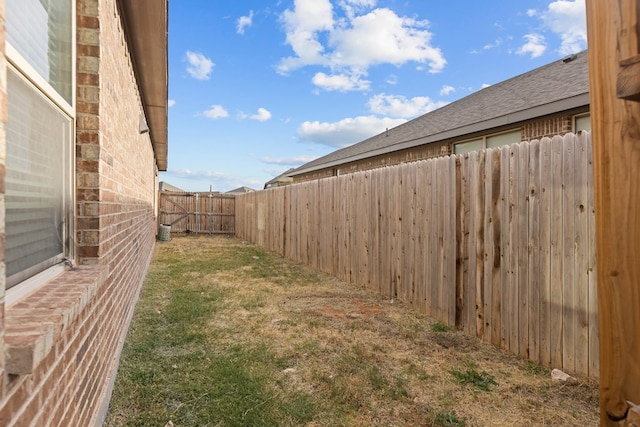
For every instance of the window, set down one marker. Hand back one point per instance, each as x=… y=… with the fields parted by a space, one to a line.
x=490 y=141
x=39 y=163
x=582 y=123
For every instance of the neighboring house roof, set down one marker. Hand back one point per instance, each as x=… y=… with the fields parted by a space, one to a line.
x=146 y=26
x=559 y=86
x=282 y=178
x=241 y=190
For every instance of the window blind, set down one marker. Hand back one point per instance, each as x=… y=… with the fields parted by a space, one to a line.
x=38 y=135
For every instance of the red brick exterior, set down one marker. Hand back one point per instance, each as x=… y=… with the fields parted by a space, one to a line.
x=67 y=334
x=547 y=127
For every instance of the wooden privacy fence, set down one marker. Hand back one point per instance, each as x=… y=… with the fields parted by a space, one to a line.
x=211 y=213
x=499 y=243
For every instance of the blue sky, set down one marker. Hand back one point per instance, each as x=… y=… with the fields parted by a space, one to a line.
x=258 y=87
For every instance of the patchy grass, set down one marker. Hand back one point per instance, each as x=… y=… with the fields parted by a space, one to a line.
x=480 y=380
x=226 y=334
x=448 y=419
x=441 y=327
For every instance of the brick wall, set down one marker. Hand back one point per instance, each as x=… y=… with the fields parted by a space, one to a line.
x=547 y=127
x=76 y=323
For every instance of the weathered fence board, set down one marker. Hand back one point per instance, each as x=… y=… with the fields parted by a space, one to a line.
x=211 y=213
x=498 y=243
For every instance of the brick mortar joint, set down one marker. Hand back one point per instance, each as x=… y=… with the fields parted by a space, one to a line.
x=54 y=306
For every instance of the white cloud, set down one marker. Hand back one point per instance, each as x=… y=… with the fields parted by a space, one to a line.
x=350 y=45
x=340 y=82
x=392 y=80
x=262 y=115
x=302 y=26
x=493 y=45
x=447 y=90
x=288 y=161
x=535 y=45
x=568 y=19
x=400 y=106
x=345 y=132
x=171 y=102
x=244 y=22
x=531 y=13
x=485 y=85
x=199 y=65
x=352 y=7
x=216 y=112
x=380 y=37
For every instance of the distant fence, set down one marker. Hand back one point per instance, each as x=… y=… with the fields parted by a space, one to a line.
x=499 y=243
x=211 y=213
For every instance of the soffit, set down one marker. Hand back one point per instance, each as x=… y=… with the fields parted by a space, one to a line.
x=146 y=23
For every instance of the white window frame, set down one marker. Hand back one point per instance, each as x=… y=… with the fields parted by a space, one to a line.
x=24 y=70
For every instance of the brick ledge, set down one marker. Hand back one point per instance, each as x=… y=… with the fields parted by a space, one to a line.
x=36 y=322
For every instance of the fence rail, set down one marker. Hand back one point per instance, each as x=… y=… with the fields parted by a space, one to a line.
x=211 y=213
x=499 y=243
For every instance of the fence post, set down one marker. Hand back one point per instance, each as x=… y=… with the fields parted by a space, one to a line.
x=614 y=45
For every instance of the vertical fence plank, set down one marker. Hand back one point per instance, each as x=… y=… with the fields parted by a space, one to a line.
x=344 y=261
x=324 y=203
x=430 y=266
x=449 y=237
x=522 y=207
x=396 y=227
x=383 y=227
x=408 y=233
x=514 y=247
x=568 y=255
x=505 y=278
x=534 y=252
x=472 y=254
x=419 y=260
x=373 y=238
x=437 y=281
x=352 y=229
x=581 y=260
x=594 y=349
x=487 y=241
x=462 y=241
x=556 y=319
x=496 y=243
x=480 y=246
x=545 y=253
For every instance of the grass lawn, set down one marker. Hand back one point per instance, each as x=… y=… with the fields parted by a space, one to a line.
x=226 y=334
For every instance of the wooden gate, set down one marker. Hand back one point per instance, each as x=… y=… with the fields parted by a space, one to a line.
x=211 y=213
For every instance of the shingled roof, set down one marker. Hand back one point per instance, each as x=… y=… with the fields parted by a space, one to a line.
x=559 y=86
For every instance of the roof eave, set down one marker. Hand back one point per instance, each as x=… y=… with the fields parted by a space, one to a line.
x=146 y=24
x=566 y=104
